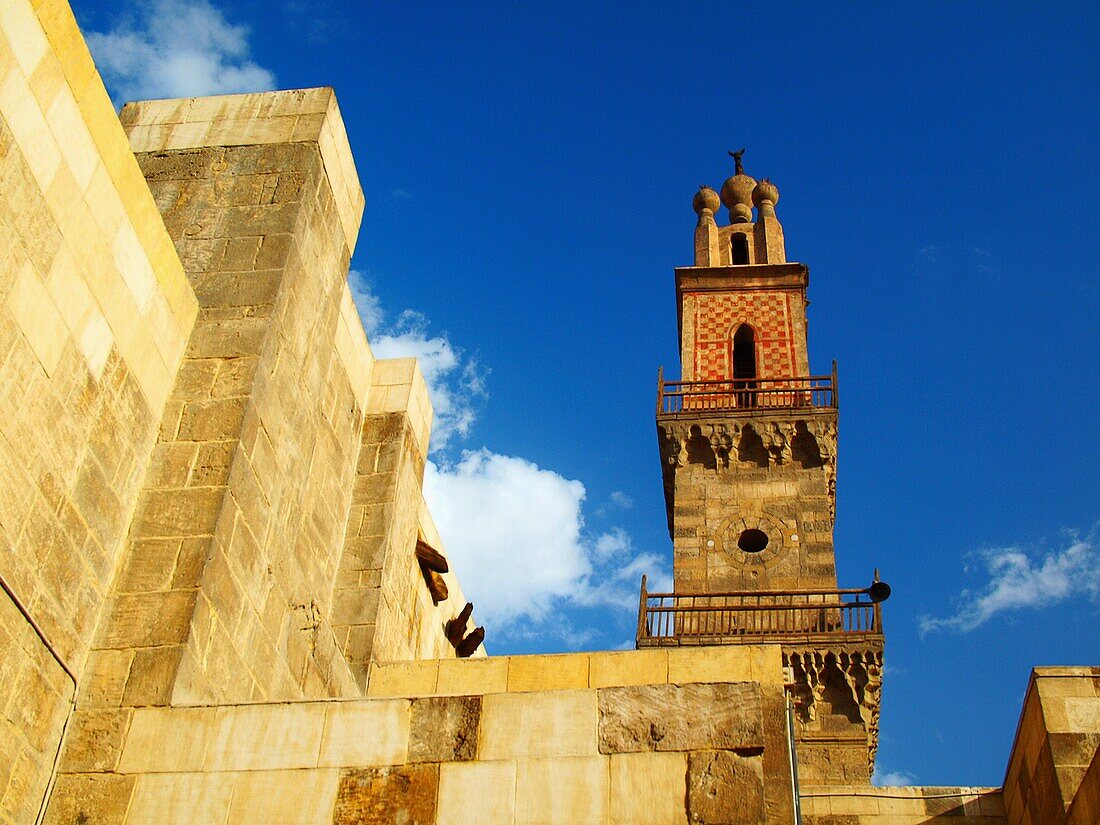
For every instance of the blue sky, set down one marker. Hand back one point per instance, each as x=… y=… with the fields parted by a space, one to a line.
x=529 y=173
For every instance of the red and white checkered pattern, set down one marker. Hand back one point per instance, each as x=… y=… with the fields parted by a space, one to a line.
x=717 y=316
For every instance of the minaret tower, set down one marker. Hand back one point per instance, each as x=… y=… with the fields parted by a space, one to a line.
x=748 y=436
x=748 y=444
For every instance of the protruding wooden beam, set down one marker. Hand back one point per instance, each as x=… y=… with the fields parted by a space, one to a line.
x=436 y=586
x=456 y=627
x=430 y=558
x=471 y=643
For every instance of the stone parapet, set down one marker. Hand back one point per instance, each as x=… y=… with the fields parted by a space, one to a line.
x=577 y=671
x=295 y=116
x=605 y=751
x=862 y=805
x=1053 y=773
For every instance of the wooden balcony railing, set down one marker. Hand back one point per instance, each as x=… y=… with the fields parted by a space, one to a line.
x=746 y=395
x=747 y=617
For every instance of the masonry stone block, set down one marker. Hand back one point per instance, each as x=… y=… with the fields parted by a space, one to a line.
x=628 y=667
x=532 y=725
x=475 y=675
x=184 y=798
x=89 y=797
x=477 y=792
x=445 y=729
x=374 y=732
x=558 y=672
x=287 y=797
x=266 y=737
x=151 y=676
x=167 y=740
x=680 y=717
x=148 y=619
x=94 y=740
x=725 y=787
x=384 y=796
x=648 y=789
x=728 y=663
x=565 y=791
x=403 y=678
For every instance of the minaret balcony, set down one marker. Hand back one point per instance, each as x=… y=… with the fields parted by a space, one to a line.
x=762 y=616
x=743 y=397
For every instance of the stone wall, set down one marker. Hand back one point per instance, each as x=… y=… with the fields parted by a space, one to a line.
x=637 y=737
x=228 y=575
x=901 y=806
x=94 y=314
x=1053 y=775
x=383 y=608
x=710 y=319
x=776 y=475
x=183 y=403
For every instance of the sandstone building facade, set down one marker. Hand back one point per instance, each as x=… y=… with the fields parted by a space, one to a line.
x=224 y=599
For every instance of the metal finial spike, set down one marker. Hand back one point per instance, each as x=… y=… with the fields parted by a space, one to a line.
x=738 y=168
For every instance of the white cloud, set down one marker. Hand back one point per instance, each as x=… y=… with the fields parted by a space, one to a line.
x=621 y=499
x=516 y=534
x=882 y=778
x=455 y=380
x=514 y=531
x=370 y=308
x=177 y=48
x=1019 y=579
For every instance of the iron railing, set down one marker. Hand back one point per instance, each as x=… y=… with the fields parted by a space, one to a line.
x=743 y=617
x=747 y=395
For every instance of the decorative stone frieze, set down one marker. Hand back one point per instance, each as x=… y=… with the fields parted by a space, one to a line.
x=837 y=690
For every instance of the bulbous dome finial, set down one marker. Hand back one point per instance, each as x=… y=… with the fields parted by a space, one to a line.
x=765 y=196
x=705 y=198
x=737 y=192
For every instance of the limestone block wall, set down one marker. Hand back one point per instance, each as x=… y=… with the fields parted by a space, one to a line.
x=861 y=805
x=630 y=737
x=1053 y=776
x=95 y=311
x=382 y=606
x=226 y=590
x=775 y=475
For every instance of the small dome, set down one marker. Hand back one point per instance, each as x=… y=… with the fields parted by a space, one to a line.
x=705 y=198
x=765 y=192
x=737 y=189
x=737 y=196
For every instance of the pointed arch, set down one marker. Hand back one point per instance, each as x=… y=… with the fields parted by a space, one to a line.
x=743 y=367
x=739 y=249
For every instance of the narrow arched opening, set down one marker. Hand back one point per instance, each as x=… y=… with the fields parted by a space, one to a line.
x=739 y=249
x=744 y=366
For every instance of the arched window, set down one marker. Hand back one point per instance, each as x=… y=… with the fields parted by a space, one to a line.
x=744 y=366
x=739 y=249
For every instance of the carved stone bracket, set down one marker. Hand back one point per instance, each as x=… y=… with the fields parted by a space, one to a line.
x=838 y=682
x=808 y=441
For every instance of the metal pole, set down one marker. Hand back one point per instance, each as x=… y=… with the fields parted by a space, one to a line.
x=41 y=634
x=794 y=761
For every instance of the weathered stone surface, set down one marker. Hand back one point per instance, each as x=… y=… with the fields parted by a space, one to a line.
x=94 y=741
x=90 y=797
x=680 y=717
x=778 y=789
x=383 y=796
x=445 y=729
x=648 y=789
x=725 y=787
